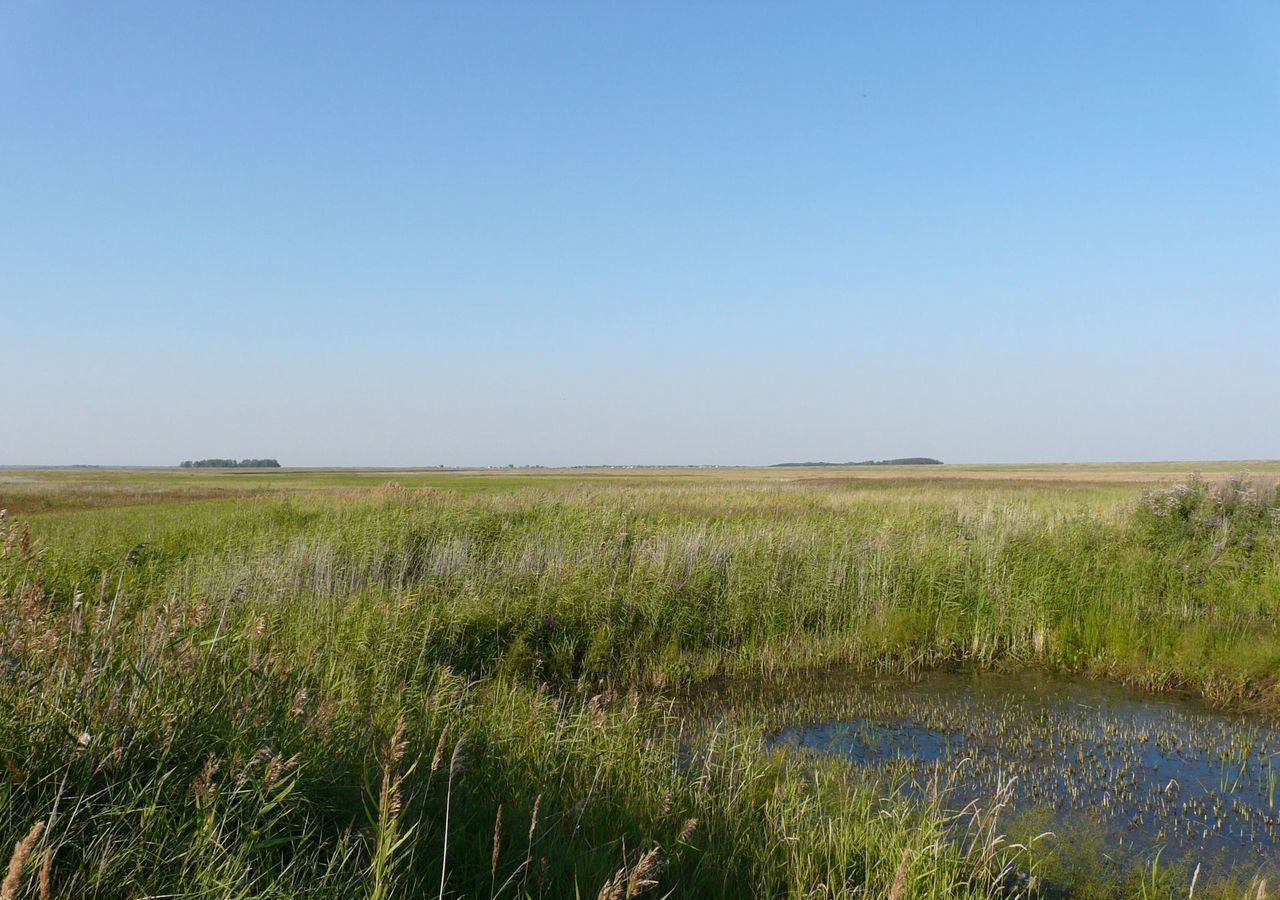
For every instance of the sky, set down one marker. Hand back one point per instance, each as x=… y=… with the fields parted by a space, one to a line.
x=639 y=233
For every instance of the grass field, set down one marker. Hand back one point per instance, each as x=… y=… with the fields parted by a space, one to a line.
x=307 y=683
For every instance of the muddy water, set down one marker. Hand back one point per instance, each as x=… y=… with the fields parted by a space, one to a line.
x=1134 y=772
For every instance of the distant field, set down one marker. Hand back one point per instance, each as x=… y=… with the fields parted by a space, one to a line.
x=43 y=490
x=364 y=683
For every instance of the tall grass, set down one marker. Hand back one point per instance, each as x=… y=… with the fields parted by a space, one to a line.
x=259 y=698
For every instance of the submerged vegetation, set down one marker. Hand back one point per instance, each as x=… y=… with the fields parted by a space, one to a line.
x=1138 y=772
x=421 y=691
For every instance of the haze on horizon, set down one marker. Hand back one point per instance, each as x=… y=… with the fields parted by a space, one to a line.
x=639 y=233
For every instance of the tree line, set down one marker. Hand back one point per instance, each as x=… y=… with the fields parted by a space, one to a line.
x=902 y=461
x=229 y=464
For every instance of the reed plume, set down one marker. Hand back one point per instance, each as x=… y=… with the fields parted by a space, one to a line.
x=21 y=850
x=900 y=877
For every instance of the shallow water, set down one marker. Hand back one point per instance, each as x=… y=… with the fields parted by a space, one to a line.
x=1132 y=771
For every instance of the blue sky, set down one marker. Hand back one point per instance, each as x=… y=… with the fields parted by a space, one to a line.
x=419 y=234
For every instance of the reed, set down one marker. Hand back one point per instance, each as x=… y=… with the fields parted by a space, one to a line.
x=201 y=683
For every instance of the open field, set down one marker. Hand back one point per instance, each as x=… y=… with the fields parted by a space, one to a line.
x=49 y=490
x=378 y=683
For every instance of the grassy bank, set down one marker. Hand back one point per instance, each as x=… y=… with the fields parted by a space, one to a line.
x=414 y=691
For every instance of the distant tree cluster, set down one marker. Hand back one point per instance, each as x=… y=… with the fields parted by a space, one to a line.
x=903 y=461
x=230 y=464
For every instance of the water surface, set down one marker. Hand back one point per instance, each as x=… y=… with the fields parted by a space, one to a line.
x=1136 y=772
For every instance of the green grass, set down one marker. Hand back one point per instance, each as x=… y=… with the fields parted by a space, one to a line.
x=202 y=695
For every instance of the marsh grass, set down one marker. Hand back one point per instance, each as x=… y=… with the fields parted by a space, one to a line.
x=245 y=698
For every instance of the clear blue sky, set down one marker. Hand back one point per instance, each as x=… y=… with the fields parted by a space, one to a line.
x=639 y=232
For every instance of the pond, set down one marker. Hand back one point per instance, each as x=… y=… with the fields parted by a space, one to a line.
x=1133 y=772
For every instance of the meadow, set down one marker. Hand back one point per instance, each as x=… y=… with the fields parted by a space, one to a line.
x=472 y=684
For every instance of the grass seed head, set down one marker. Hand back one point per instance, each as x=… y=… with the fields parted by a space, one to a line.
x=497 y=843
x=899 y=887
x=21 y=850
x=438 y=756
